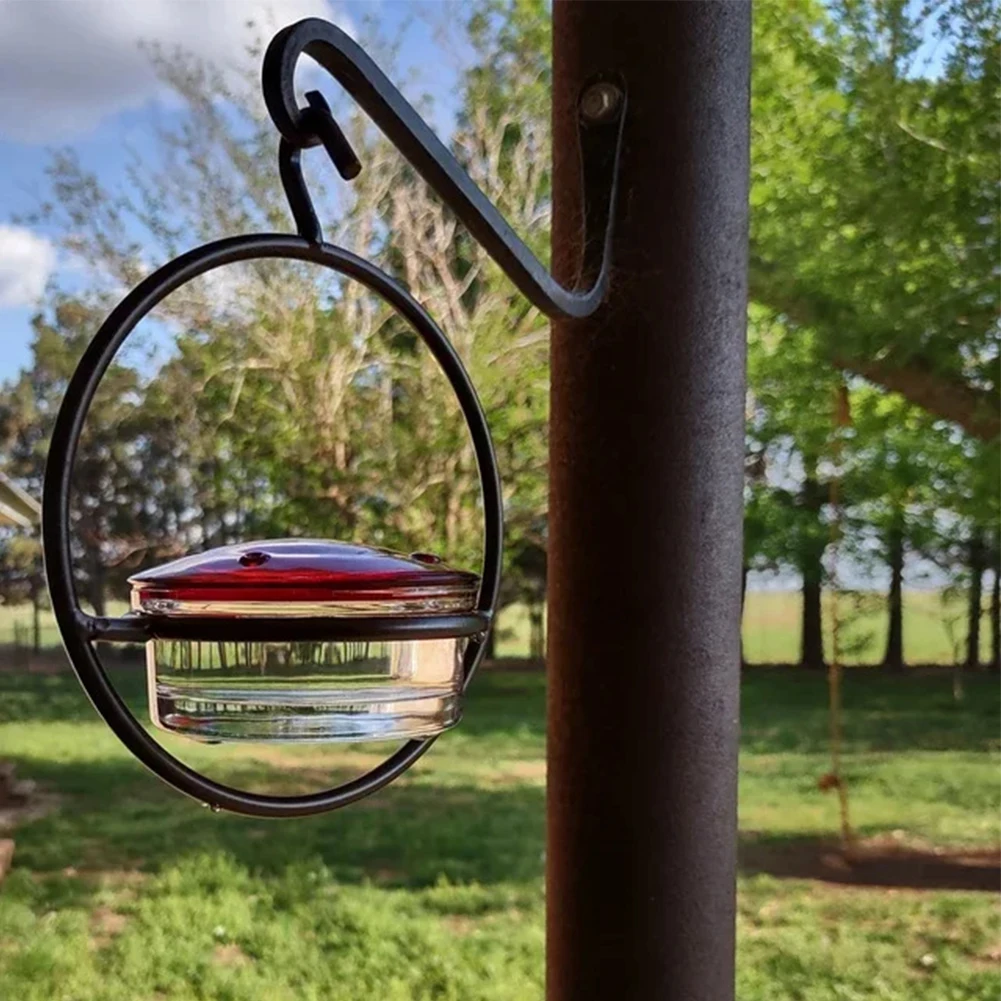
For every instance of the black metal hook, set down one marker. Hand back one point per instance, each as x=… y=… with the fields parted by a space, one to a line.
x=335 y=142
x=340 y=151
x=601 y=115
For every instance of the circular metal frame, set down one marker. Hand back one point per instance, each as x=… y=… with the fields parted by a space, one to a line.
x=80 y=631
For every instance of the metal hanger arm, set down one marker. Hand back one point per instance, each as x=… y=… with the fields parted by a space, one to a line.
x=601 y=115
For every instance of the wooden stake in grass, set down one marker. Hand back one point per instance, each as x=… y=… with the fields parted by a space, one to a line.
x=834 y=778
x=950 y=615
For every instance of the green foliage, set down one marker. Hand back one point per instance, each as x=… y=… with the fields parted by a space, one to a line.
x=281 y=401
x=791 y=418
x=114 y=504
x=20 y=567
x=874 y=194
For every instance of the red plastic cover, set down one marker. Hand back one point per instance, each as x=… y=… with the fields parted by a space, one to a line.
x=333 y=576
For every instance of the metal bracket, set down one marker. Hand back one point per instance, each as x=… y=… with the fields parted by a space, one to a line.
x=601 y=116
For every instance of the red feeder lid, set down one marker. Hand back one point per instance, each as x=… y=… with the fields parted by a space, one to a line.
x=304 y=577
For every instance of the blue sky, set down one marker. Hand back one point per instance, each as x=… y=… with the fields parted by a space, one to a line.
x=73 y=74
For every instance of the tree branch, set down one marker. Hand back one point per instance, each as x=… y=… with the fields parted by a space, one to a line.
x=974 y=410
x=941 y=394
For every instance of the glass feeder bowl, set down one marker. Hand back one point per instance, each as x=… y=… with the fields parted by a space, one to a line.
x=327 y=690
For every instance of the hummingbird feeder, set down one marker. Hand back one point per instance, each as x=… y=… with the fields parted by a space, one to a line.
x=301 y=639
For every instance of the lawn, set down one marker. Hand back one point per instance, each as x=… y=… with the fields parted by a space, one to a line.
x=433 y=889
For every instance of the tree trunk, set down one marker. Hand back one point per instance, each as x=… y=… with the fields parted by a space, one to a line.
x=537 y=639
x=978 y=561
x=996 y=608
x=893 y=658
x=744 y=571
x=950 y=397
x=36 y=615
x=812 y=648
x=812 y=570
x=95 y=584
x=971 y=407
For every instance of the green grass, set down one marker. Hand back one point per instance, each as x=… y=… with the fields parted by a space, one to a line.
x=772 y=628
x=433 y=889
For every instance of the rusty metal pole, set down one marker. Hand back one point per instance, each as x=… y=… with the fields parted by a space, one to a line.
x=645 y=515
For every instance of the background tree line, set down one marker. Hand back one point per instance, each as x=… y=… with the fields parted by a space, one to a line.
x=269 y=400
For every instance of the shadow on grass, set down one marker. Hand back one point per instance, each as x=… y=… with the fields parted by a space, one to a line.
x=874 y=862
x=412 y=834
x=785 y=709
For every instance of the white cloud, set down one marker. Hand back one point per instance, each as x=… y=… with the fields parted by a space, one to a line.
x=64 y=66
x=26 y=261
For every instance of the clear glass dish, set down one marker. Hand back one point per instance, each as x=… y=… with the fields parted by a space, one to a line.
x=304 y=691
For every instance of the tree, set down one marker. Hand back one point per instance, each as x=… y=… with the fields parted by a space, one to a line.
x=995 y=661
x=896 y=463
x=971 y=499
x=21 y=575
x=290 y=402
x=792 y=419
x=110 y=503
x=860 y=153
x=977 y=502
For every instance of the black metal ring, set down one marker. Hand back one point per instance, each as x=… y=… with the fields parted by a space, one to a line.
x=79 y=630
x=264 y=629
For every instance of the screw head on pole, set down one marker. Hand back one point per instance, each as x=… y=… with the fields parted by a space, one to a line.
x=600 y=102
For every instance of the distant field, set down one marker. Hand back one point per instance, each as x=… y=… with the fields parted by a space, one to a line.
x=771 y=628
